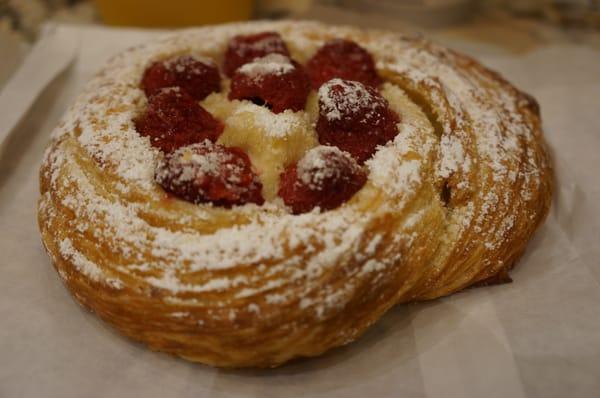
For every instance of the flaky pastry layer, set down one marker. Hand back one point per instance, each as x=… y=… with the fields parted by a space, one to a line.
x=451 y=202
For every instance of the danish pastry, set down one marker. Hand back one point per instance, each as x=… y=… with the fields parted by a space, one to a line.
x=242 y=195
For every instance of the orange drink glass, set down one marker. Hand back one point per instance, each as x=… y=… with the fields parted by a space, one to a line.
x=173 y=13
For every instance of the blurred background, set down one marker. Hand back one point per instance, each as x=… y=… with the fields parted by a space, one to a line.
x=486 y=25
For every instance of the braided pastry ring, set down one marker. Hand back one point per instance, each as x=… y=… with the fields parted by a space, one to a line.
x=450 y=203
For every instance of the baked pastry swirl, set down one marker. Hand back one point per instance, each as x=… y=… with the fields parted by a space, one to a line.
x=255 y=226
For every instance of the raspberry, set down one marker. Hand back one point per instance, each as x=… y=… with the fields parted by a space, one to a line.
x=245 y=48
x=273 y=80
x=199 y=78
x=174 y=119
x=209 y=173
x=344 y=59
x=325 y=177
x=355 y=118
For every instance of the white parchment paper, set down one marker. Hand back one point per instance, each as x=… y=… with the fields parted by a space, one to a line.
x=536 y=337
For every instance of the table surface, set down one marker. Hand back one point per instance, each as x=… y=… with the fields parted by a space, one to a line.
x=535 y=337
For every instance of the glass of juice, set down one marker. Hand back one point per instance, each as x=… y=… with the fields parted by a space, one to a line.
x=173 y=13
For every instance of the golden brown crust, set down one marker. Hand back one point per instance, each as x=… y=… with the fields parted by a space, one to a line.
x=451 y=203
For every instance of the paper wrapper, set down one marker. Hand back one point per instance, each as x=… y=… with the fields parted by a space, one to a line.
x=538 y=336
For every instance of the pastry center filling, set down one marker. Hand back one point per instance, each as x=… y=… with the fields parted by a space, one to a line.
x=274 y=130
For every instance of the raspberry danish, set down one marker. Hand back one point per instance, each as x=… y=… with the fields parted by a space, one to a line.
x=247 y=194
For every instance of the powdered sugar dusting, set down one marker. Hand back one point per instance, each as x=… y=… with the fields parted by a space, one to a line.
x=338 y=97
x=453 y=156
x=85 y=266
x=267 y=44
x=392 y=174
x=194 y=160
x=271 y=64
x=277 y=125
x=323 y=163
x=175 y=64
